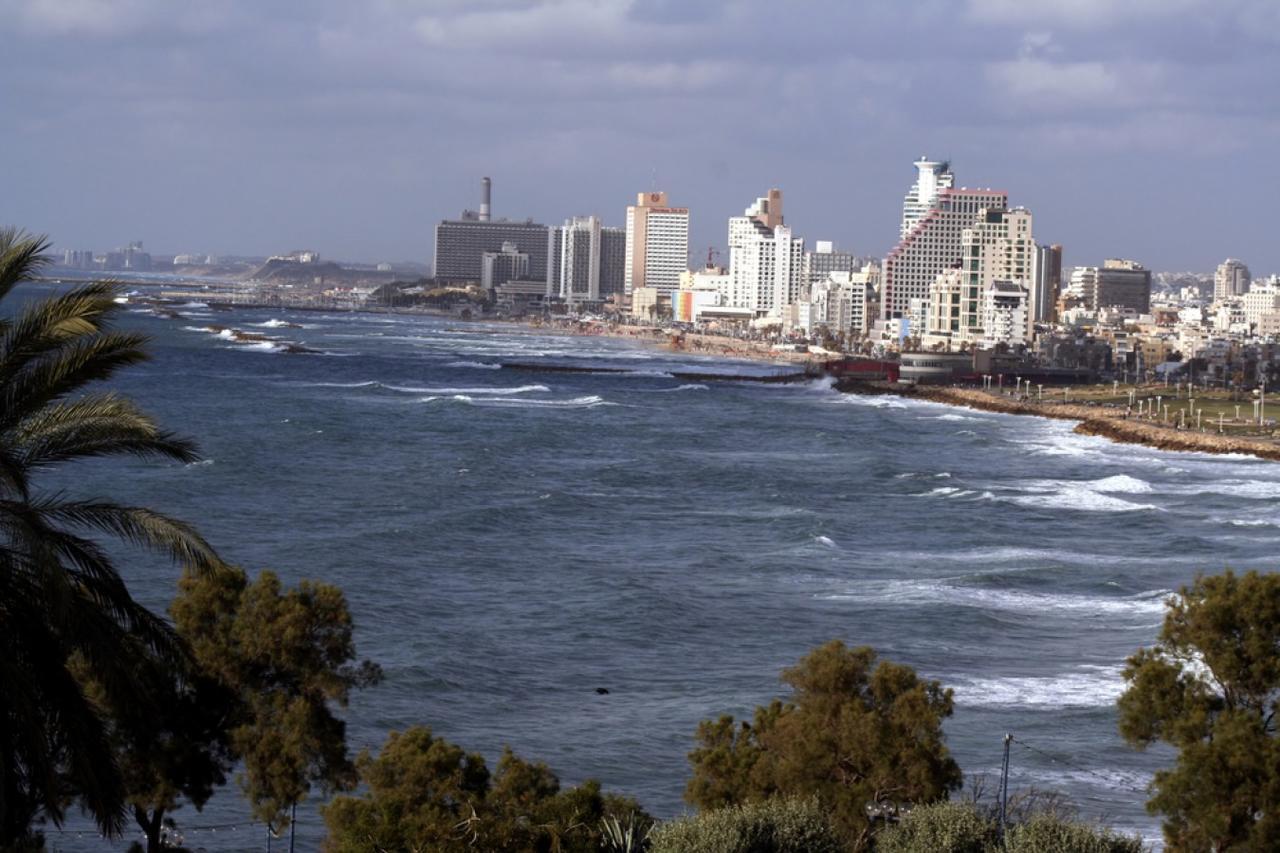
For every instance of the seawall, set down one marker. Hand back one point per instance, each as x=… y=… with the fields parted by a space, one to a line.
x=1092 y=420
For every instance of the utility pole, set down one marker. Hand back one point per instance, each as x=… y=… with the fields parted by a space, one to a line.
x=1003 y=793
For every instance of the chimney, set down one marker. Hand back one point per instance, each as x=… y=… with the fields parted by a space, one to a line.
x=485 y=186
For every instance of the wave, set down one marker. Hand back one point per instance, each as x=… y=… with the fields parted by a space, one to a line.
x=519 y=389
x=1090 y=686
x=588 y=402
x=825 y=541
x=1144 y=605
x=278 y=324
x=477 y=365
x=693 y=386
x=948 y=417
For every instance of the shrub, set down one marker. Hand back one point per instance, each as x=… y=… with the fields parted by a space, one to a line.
x=770 y=826
x=1048 y=834
x=940 y=828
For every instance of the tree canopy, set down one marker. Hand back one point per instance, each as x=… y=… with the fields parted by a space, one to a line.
x=290 y=658
x=1210 y=688
x=62 y=599
x=426 y=794
x=855 y=731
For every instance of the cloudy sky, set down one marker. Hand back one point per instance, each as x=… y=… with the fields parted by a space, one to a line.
x=1142 y=128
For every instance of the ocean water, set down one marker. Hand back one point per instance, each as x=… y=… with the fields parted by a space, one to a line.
x=510 y=541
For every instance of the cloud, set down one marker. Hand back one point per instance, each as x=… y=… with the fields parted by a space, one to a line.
x=1080 y=14
x=1054 y=85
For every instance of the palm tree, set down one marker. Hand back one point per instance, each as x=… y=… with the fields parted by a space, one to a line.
x=63 y=604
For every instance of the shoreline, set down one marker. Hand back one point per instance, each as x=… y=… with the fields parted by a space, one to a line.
x=1090 y=420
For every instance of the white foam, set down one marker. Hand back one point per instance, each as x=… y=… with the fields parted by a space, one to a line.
x=875 y=402
x=824 y=540
x=1089 y=686
x=525 y=403
x=276 y=324
x=1078 y=499
x=948 y=417
x=1144 y=605
x=1121 y=483
x=477 y=365
x=519 y=389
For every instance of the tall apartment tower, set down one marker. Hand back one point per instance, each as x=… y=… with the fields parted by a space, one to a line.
x=1231 y=279
x=931 y=242
x=766 y=263
x=997 y=247
x=1047 y=284
x=932 y=177
x=657 y=244
x=589 y=259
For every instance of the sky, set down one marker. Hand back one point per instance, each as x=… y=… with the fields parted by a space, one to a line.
x=1145 y=129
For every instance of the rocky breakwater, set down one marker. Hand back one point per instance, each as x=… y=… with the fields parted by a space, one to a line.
x=1093 y=420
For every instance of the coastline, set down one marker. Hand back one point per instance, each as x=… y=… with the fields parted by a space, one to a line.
x=1091 y=420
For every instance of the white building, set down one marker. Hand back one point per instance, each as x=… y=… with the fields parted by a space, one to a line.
x=824 y=259
x=1005 y=314
x=1263 y=298
x=944 y=326
x=931 y=178
x=588 y=262
x=1231 y=279
x=766 y=264
x=657 y=244
x=843 y=302
x=932 y=242
x=998 y=246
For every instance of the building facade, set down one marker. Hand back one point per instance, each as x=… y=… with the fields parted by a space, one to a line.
x=1230 y=279
x=1047 y=284
x=656 y=245
x=931 y=245
x=462 y=243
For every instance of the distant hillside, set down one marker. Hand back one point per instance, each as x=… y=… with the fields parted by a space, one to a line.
x=279 y=271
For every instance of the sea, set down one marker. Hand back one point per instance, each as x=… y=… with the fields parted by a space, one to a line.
x=510 y=541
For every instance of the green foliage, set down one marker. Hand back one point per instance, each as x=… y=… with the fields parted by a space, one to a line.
x=941 y=828
x=855 y=732
x=288 y=655
x=425 y=793
x=776 y=825
x=1209 y=687
x=966 y=828
x=61 y=596
x=1046 y=833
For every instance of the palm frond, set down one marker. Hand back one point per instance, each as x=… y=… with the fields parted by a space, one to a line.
x=95 y=425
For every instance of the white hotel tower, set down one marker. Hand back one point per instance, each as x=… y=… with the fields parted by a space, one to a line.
x=934 y=216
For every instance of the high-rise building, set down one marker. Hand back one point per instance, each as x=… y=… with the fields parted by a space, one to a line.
x=766 y=263
x=591 y=260
x=461 y=243
x=932 y=176
x=1116 y=284
x=498 y=268
x=1231 y=279
x=1047 y=284
x=824 y=260
x=657 y=244
x=998 y=246
x=932 y=242
x=1005 y=314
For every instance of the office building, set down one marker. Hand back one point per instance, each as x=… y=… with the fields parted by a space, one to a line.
x=1116 y=284
x=657 y=244
x=1231 y=279
x=507 y=265
x=1047 y=283
x=462 y=243
x=824 y=260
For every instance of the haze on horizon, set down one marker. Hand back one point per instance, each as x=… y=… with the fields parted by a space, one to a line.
x=1144 y=129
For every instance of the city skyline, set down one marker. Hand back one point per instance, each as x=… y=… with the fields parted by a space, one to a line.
x=238 y=129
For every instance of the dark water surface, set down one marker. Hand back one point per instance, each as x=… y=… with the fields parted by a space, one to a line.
x=509 y=542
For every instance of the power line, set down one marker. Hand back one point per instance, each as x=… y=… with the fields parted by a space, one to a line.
x=1109 y=781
